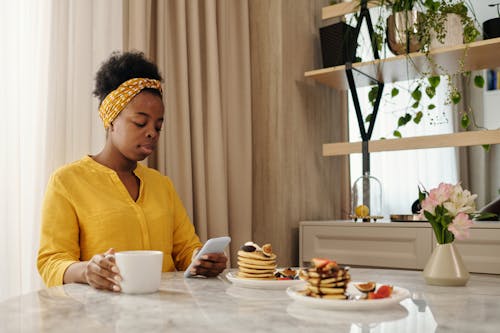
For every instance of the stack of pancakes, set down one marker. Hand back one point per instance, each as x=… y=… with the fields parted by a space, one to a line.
x=255 y=262
x=325 y=279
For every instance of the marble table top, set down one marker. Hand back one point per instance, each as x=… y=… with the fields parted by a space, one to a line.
x=215 y=305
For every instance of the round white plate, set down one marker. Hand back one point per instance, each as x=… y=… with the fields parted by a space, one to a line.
x=264 y=284
x=398 y=294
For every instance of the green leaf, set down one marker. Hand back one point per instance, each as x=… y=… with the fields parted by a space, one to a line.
x=456 y=97
x=448 y=236
x=416 y=94
x=401 y=121
x=372 y=94
x=369 y=118
x=465 y=121
x=404 y=120
x=421 y=195
x=418 y=117
x=415 y=105
x=434 y=81
x=378 y=39
x=397 y=134
x=479 y=81
x=430 y=91
x=486 y=148
x=429 y=216
x=431 y=107
x=394 y=92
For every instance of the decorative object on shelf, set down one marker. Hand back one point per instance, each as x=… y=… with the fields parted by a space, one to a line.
x=492 y=79
x=336 y=44
x=401 y=25
x=401 y=32
x=454 y=33
x=450 y=210
x=366 y=199
x=491 y=27
x=446 y=23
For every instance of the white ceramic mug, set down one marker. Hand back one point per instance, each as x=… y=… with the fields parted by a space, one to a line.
x=140 y=271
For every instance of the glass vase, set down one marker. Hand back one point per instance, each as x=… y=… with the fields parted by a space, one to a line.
x=366 y=198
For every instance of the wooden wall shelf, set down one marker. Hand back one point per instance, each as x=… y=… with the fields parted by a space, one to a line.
x=343 y=8
x=461 y=139
x=480 y=55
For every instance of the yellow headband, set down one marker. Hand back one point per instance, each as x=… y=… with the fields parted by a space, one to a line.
x=116 y=100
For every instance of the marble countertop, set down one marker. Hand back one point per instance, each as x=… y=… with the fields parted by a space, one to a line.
x=215 y=305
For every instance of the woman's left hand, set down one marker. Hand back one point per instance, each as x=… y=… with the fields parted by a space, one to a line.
x=210 y=264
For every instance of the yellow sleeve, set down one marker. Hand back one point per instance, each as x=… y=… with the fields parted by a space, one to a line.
x=59 y=236
x=185 y=239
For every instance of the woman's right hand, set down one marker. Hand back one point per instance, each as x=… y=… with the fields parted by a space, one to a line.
x=101 y=272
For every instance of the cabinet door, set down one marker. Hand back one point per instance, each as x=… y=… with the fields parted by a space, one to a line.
x=481 y=251
x=397 y=247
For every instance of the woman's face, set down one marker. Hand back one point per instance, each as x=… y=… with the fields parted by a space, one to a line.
x=136 y=129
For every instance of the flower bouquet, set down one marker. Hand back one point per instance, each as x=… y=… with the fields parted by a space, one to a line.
x=450 y=211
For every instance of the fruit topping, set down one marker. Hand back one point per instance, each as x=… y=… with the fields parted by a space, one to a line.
x=286 y=274
x=382 y=292
x=257 y=247
x=248 y=248
x=366 y=287
x=267 y=250
x=321 y=262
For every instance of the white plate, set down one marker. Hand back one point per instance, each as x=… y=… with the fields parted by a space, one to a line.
x=398 y=294
x=264 y=284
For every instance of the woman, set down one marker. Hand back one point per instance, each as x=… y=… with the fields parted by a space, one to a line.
x=109 y=202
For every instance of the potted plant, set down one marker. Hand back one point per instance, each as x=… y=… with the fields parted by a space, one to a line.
x=402 y=25
x=446 y=23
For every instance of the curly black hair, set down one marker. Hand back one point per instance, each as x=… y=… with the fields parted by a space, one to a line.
x=120 y=67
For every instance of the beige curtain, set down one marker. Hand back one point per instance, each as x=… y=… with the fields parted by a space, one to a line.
x=202 y=48
x=244 y=128
x=77 y=48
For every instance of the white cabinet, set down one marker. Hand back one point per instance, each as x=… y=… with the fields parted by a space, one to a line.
x=405 y=245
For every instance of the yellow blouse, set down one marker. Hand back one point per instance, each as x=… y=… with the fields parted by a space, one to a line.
x=88 y=210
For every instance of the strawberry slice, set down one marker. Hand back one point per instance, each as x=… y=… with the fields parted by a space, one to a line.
x=322 y=262
x=382 y=292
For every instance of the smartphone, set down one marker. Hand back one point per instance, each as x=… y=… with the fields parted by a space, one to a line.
x=213 y=245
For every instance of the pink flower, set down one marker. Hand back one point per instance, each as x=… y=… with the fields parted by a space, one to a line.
x=429 y=204
x=460 y=226
x=441 y=193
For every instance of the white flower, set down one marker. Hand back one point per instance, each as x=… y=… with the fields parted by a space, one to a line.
x=460 y=201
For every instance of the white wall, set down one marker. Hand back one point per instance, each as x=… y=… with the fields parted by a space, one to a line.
x=483 y=11
x=485 y=178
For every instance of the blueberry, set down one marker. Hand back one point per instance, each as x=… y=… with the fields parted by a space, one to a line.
x=248 y=248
